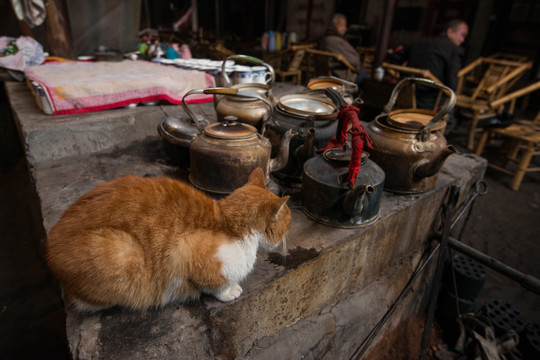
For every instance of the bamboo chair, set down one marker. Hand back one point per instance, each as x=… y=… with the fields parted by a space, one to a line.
x=493 y=79
x=521 y=137
x=367 y=56
x=318 y=63
x=517 y=58
x=508 y=56
x=287 y=62
x=399 y=71
x=293 y=69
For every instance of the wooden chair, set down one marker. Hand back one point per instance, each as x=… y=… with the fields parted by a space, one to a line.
x=508 y=56
x=517 y=58
x=318 y=63
x=521 y=137
x=482 y=82
x=287 y=62
x=367 y=57
x=293 y=70
x=400 y=71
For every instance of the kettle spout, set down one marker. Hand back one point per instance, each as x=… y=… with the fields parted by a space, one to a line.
x=431 y=167
x=352 y=203
x=280 y=160
x=307 y=149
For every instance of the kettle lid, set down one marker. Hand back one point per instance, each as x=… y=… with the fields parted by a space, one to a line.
x=181 y=128
x=230 y=129
x=321 y=108
x=413 y=119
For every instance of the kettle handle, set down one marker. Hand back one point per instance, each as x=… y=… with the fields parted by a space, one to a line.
x=249 y=59
x=448 y=106
x=226 y=91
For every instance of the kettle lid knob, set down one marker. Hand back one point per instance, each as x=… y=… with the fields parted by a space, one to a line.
x=230 y=120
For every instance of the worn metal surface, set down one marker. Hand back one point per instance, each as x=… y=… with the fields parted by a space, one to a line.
x=411 y=165
x=328 y=198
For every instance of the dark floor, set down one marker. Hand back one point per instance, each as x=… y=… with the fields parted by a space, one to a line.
x=503 y=224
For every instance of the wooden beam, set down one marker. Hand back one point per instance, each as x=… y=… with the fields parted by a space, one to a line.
x=59 y=36
x=384 y=33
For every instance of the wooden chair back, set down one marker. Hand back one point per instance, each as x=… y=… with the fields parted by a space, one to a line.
x=489 y=78
x=319 y=63
x=296 y=60
x=508 y=56
x=513 y=96
x=367 y=56
x=400 y=71
x=510 y=100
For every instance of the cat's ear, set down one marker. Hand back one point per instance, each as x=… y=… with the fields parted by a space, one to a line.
x=257 y=178
x=277 y=204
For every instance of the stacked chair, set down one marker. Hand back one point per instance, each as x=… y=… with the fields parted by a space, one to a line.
x=482 y=82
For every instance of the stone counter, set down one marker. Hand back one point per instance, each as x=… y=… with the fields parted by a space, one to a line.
x=320 y=301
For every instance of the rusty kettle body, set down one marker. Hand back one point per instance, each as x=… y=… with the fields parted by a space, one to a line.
x=249 y=110
x=223 y=154
x=409 y=144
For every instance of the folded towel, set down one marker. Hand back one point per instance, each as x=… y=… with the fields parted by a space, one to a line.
x=78 y=87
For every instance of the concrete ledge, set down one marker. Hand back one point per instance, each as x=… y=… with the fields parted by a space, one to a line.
x=321 y=306
x=370 y=265
x=48 y=137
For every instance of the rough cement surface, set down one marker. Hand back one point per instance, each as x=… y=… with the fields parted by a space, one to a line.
x=372 y=262
x=348 y=262
x=56 y=137
x=330 y=333
x=146 y=335
x=301 y=340
x=467 y=169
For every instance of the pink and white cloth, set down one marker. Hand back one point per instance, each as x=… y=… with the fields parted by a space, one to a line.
x=79 y=87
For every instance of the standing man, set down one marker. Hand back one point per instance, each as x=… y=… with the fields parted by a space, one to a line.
x=334 y=41
x=442 y=55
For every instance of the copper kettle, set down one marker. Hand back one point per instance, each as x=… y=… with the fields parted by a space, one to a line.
x=409 y=143
x=249 y=110
x=223 y=154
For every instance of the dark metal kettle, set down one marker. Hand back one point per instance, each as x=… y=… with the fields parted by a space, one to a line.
x=331 y=193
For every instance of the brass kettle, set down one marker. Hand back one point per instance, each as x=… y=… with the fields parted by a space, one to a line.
x=223 y=154
x=409 y=143
x=249 y=110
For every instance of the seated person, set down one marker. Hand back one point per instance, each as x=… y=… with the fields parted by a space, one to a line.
x=334 y=41
x=442 y=56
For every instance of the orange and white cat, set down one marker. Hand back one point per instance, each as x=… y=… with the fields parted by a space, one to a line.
x=146 y=242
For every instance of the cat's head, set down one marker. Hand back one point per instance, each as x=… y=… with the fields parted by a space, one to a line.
x=267 y=212
x=275 y=214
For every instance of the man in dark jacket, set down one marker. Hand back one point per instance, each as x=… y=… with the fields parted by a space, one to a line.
x=442 y=55
x=334 y=41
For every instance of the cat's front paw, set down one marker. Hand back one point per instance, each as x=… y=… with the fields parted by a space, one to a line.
x=230 y=293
